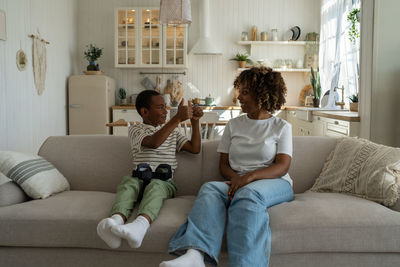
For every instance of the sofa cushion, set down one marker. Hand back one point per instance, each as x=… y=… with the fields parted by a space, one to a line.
x=36 y=176
x=11 y=193
x=333 y=222
x=362 y=168
x=69 y=219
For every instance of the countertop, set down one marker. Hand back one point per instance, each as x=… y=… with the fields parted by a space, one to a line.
x=339 y=114
x=202 y=107
x=345 y=115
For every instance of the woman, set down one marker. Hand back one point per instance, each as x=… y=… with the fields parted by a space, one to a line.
x=256 y=150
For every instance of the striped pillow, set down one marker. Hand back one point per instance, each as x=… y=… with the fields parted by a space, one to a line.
x=35 y=175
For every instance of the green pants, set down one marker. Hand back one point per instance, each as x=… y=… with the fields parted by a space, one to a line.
x=130 y=189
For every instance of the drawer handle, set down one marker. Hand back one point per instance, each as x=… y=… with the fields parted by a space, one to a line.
x=336 y=122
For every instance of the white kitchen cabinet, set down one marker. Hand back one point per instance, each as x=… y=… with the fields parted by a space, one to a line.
x=340 y=128
x=141 y=42
x=321 y=126
x=129 y=115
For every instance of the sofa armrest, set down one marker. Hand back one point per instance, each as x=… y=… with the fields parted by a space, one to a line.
x=11 y=193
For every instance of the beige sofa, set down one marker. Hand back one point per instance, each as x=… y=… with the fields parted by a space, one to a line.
x=315 y=229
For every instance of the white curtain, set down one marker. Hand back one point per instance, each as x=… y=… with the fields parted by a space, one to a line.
x=338 y=56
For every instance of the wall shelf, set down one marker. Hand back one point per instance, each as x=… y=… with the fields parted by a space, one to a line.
x=272 y=42
x=281 y=70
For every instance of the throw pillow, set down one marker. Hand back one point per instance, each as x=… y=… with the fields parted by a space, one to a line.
x=11 y=193
x=35 y=175
x=362 y=168
x=3 y=179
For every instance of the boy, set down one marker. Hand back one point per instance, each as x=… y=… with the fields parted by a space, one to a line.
x=154 y=143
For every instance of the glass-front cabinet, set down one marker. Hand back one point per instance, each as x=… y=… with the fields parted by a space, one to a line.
x=142 y=42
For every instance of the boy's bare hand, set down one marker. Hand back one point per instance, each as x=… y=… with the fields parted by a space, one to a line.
x=184 y=112
x=197 y=113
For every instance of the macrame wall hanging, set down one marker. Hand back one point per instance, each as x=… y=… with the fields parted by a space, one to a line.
x=39 y=62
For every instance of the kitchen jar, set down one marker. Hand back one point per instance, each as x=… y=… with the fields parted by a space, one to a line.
x=274 y=33
x=254 y=33
x=245 y=36
x=263 y=36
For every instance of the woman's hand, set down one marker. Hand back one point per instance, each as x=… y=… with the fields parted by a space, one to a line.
x=197 y=113
x=237 y=182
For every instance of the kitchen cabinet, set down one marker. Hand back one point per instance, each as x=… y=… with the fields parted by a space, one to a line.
x=129 y=115
x=142 y=42
x=321 y=126
x=340 y=128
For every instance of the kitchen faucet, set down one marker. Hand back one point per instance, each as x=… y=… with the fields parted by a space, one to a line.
x=341 y=104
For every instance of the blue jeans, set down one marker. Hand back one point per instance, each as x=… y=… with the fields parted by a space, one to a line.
x=248 y=234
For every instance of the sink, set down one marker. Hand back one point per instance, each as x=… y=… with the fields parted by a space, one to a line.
x=305 y=113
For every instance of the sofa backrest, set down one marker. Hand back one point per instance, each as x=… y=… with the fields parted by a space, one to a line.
x=98 y=163
x=309 y=155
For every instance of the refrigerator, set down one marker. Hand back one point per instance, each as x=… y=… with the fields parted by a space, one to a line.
x=90 y=98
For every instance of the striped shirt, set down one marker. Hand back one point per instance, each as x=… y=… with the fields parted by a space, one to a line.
x=166 y=153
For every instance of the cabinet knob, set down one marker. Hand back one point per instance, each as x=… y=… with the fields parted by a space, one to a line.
x=336 y=122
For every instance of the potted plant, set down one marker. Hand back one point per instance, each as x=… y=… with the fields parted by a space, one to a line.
x=122 y=96
x=315 y=82
x=92 y=54
x=354 y=19
x=354 y=102
x=242 y=59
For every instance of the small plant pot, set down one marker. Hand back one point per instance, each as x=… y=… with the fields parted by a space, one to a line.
x=354 y=107
x=242 y=64
x=91 y=66
x=123 y=101
x=316 y=102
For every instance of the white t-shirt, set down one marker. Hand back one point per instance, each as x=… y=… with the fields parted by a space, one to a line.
x=253 y=144
x=166 y=153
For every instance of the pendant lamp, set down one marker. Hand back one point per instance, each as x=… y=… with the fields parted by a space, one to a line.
x=175 y=12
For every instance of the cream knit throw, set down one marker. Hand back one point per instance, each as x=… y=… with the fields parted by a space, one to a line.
x=39 y=64
x=362 y=168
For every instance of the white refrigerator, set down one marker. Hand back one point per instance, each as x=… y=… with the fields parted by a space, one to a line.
x=90 y=98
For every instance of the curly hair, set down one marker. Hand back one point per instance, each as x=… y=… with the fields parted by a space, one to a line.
x=266 y=85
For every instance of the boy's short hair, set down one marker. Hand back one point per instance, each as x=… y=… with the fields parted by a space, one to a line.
x=143 y=100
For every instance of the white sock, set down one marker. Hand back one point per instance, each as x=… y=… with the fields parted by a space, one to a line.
x=133 y=232
x=104 y=230
x=192 y=258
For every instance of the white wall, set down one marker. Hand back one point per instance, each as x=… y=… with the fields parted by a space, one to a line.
x=385 y=95
x=211 y=74
x=27 y=119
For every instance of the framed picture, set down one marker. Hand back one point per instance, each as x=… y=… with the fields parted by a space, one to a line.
x=3 y=34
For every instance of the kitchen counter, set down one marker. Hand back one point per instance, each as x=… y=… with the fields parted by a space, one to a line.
x=338 y=114
x=333 y=114
x=202 y=107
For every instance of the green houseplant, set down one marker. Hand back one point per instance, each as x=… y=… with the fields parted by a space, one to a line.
x=92 y=54
x=122 y=95
x=242 y=59
x=354 y=19
x=316 y=84
x=353 y=102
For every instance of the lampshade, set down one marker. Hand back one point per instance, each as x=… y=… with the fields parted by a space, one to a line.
x=175 y=12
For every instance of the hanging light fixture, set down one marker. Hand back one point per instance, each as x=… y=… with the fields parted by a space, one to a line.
x=175 y=12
